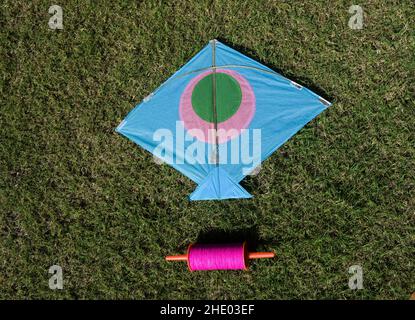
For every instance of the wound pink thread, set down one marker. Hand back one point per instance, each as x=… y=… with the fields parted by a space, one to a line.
x=217 y=257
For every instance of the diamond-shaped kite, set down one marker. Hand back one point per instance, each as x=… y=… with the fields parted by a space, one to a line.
x=218 y=117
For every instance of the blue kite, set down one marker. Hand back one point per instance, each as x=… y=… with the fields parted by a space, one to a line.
x=218 y=117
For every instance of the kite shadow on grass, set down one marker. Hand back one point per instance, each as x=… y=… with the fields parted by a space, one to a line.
x=303 y=81
x=251 y=183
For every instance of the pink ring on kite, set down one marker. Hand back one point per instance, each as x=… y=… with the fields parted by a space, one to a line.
x=203 y=130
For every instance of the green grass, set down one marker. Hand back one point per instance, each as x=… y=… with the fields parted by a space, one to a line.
x=75 y=193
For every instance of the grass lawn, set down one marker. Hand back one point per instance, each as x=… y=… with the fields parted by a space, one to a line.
x=75 y=193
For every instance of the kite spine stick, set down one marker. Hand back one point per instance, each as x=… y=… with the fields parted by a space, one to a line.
x=215 y=113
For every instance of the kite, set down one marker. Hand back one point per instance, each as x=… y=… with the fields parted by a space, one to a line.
x=218 y=117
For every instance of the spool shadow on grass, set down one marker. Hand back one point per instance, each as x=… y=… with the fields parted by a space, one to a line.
x=250 y=235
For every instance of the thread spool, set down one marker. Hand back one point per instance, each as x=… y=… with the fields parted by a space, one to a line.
x=230 y=256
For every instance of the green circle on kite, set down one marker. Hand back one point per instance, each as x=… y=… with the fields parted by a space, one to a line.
x=228 y=97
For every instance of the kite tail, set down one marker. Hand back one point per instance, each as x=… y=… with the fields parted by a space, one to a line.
x=218 y=185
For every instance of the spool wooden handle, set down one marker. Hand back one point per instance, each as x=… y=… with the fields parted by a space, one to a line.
x=182 y=257
x=251 y=255
x=260 y=255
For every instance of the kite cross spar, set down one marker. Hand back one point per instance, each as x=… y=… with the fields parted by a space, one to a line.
x=233 y=113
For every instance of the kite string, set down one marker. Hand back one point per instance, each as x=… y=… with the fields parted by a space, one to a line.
x=217 y=257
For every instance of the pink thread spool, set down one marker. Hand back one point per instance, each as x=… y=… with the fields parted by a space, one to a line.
x=233 y=256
